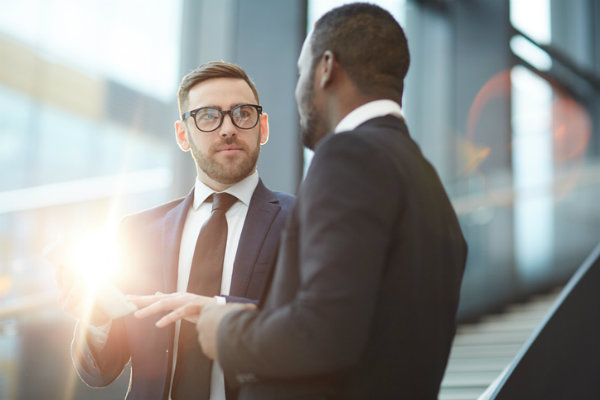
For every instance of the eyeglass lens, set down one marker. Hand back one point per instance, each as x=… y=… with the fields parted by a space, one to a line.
x=242 y=116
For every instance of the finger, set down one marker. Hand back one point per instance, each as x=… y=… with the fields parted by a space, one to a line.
x=168 y=319
x=147 y=311
x=165 y=304
x=192 y=312
x=144 y=300
x=169 y=302
x=186 y=305
x=249 y=306
x=189 y=311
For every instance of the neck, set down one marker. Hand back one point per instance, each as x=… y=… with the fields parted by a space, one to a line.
x=343 y=103
x=216 y=186
x=213 y=184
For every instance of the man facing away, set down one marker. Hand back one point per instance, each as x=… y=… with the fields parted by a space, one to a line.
x=366 y=288
x=223 y=125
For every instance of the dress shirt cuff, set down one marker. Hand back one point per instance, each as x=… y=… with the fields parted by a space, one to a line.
x=96 y=335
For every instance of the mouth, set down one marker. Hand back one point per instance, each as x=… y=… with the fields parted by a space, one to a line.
x=229 y=150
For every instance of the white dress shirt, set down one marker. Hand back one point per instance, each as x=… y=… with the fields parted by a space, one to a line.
x=370 y=110
x=197 y=216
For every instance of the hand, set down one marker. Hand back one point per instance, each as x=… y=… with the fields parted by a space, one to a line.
x=208 y=324
x=181 y=306
x=75 y=298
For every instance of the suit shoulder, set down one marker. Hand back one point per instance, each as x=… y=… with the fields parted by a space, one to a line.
x=264 y=194
x=383 y=140
x=285 y=199
x=381 y=144
x=154 y=212
x=358 y=145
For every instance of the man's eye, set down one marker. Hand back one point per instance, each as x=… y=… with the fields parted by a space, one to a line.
x=207 y=115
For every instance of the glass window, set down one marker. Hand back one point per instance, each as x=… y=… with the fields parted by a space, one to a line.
x=76 y=149
x=87 y=100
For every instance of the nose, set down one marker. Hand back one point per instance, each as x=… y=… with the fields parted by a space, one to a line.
x=227 y=129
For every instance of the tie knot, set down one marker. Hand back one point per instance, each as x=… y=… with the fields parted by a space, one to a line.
x=223 y=201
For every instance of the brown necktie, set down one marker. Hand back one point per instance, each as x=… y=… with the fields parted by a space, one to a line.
x=193 y=369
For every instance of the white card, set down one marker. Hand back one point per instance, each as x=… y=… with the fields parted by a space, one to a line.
x=113 y=302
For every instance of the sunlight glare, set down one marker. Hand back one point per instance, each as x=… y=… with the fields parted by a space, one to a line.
x=94 y=258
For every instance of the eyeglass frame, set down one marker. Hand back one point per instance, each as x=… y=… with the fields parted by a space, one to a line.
x=192 y=113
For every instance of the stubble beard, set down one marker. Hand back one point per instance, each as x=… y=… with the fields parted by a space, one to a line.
x=227 y=172
x=312 y=125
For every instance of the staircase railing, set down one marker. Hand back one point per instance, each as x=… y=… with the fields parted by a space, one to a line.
x=561 y=360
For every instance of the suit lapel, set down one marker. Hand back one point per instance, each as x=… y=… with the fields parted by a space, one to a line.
x=172 y=231
x=264 y=207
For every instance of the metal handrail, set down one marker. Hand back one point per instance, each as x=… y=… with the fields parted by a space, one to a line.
x=562 y=358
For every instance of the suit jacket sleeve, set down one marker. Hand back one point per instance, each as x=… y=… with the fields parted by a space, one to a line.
x=98 y=368
x=341 y=224
x=237 y=299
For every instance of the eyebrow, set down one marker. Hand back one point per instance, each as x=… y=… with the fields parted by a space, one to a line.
x=221 y=108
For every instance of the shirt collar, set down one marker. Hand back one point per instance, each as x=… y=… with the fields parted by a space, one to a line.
x=370 y=110
x=243 y=190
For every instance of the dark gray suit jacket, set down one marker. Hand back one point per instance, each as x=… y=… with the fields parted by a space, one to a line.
x=366 y=288
x=151 y=242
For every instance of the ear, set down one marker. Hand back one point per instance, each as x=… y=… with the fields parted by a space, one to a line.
x=264 y=128
x=326 y=65
x=181 y=136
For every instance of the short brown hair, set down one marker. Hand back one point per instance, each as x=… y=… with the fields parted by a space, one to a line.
x=211 y=70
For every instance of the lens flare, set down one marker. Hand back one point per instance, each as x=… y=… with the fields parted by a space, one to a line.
x=572 y=129
x=474 y=151
x=470 y=155
x=94 y=258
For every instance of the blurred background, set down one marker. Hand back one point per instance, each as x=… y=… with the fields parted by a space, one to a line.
x=502 y=96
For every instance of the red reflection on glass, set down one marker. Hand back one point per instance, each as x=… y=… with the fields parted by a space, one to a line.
x=498 y=87
x=472 y=153
x=572 y=129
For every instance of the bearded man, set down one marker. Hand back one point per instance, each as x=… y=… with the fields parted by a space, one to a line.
x=165 y=266
x=365 y=292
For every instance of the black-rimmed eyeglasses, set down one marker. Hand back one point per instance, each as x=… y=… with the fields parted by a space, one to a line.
x=208 y=119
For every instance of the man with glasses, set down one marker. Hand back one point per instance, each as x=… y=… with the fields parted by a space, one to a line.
x=169 y=256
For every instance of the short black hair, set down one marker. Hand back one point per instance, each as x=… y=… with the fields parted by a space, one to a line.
x=370 y=45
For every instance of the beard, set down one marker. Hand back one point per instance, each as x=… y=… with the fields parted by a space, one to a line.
x=312 y=124
x=229 y=171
